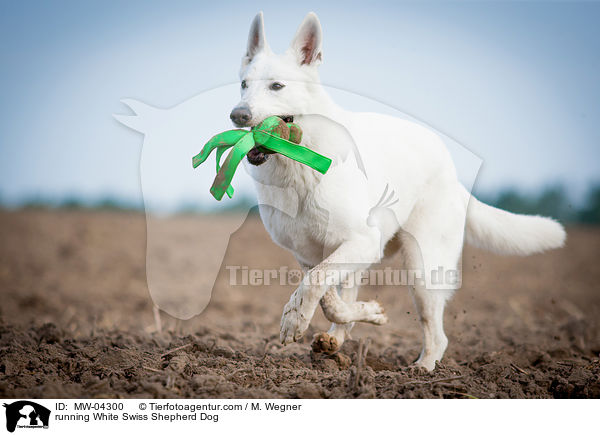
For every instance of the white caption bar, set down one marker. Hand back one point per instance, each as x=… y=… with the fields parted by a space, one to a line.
x=150 y=416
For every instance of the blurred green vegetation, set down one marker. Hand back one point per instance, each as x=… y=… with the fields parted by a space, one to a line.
x=242 y=204
x=553 y=201
x=76 y=203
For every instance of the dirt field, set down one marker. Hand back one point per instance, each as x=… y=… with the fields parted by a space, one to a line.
x=77 y=321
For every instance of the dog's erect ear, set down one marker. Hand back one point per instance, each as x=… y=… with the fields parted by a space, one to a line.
x=307 y=42
x=257 y=41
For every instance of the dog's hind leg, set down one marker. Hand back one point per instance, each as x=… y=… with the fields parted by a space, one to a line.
x=340 y=306
x=332 y=340
x=351 y=256
x=345 y=310
x=431 y=246
x=344 y=307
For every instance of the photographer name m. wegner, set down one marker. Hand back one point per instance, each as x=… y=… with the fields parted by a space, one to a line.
x=388 y=276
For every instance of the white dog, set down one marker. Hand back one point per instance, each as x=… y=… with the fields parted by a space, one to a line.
x=341 y=224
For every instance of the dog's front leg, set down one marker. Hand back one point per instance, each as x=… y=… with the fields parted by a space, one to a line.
x=349 y=257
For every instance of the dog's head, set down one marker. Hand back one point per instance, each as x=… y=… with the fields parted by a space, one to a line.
x=279 y=85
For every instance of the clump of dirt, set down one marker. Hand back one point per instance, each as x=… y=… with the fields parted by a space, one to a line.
x=77 y=321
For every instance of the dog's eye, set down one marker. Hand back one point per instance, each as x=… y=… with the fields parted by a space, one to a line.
x=276 y=86
x=244 y=84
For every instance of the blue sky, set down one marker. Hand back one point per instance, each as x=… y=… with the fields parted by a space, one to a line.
x=516 y=83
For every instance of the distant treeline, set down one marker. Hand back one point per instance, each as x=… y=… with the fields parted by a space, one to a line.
x=553 y=201
x=76 y=203
x=240 y=205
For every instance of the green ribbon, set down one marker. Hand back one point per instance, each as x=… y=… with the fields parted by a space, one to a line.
x=271 y=135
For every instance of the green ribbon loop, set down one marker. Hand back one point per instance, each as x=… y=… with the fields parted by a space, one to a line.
x=266 y=135
x=225 y=139
x=220 y=151
x=289 y=149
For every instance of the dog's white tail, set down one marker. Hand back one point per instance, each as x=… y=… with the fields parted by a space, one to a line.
x=508 y=233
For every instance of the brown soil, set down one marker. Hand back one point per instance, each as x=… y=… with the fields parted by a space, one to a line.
x=76 y=321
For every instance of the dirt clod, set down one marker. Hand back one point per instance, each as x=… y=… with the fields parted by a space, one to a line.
x=323 y=342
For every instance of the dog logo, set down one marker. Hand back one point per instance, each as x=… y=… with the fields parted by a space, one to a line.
x=26 y=414
x=382 y=215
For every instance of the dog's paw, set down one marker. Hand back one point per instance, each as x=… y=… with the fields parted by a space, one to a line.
x=323 y=342
x=294 y=322
x=428 y=359
x=424 y=364
x=374 y=313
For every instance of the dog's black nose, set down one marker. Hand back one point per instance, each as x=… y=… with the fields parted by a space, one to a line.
x=241 y=116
